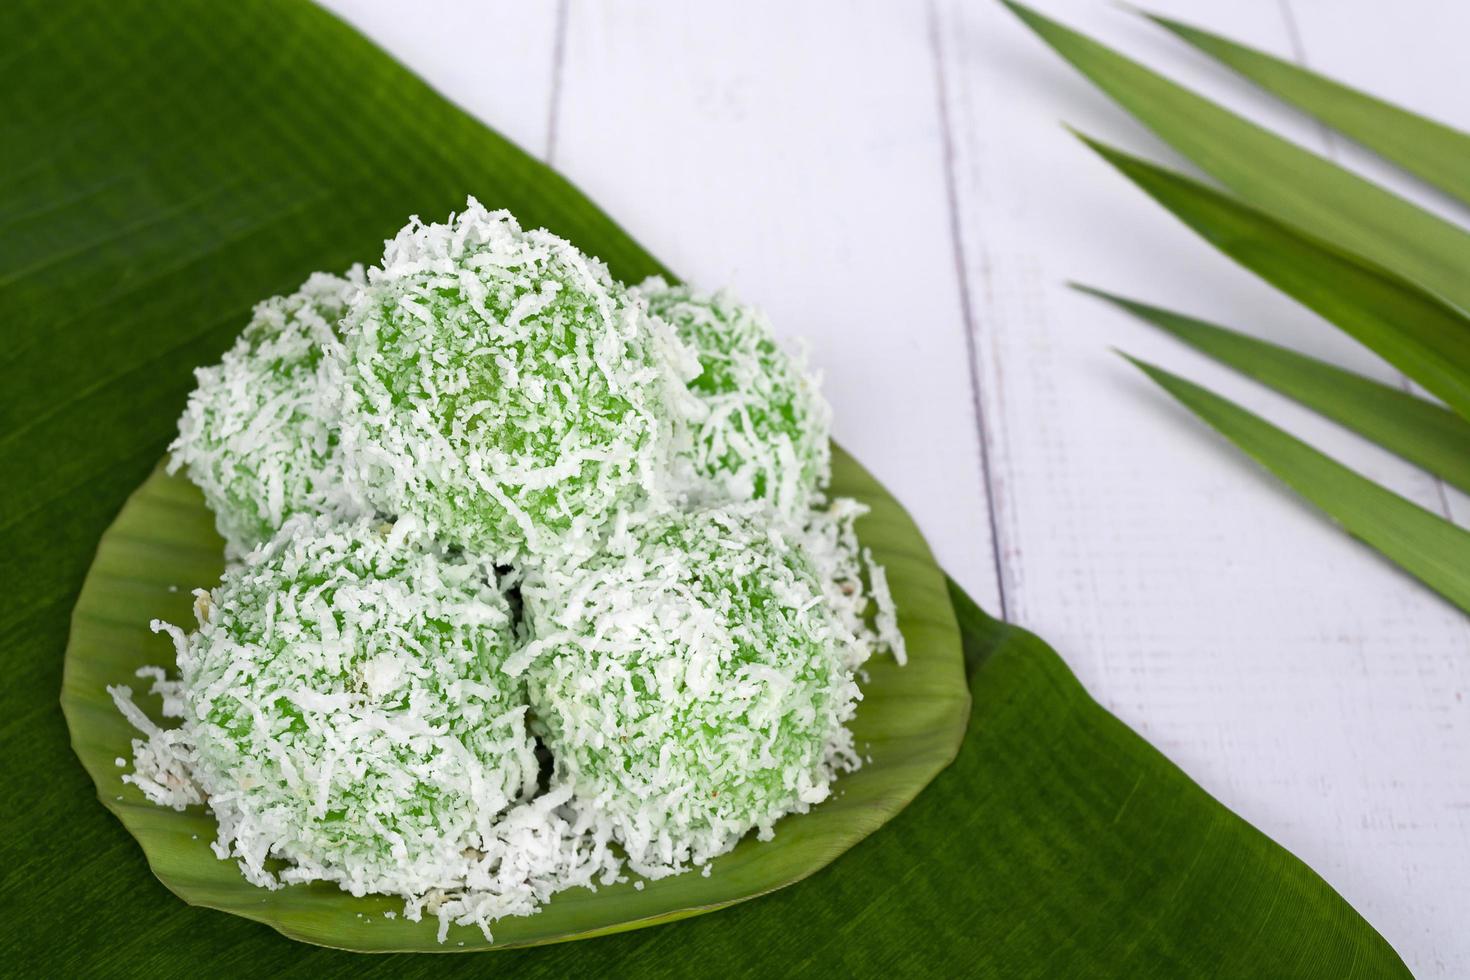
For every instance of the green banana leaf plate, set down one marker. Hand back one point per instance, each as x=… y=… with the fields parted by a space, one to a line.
x=163 y=545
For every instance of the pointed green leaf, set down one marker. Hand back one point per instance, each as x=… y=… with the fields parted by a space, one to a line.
x=1424 y=544
x=1422 y=432
x=1273 y=174
x=1421 y=335
x=1432 y=150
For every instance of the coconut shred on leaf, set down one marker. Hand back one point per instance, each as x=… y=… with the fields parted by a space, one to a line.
x=500 y=387
x=856 y=585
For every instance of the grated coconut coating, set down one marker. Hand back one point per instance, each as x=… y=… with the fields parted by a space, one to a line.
x=691 y=683
x=764 y=433
x=358 y=700
x=344 y=709
x=498 y=386
x=255 y=436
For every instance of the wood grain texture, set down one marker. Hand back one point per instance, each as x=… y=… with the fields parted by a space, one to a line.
x=892 y=182
x=1432 y=890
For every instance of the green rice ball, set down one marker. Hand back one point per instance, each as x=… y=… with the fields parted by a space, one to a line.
x=500 y=387
x=255 y=436
x=765 y=429
x=691 y=683
x=347 y=710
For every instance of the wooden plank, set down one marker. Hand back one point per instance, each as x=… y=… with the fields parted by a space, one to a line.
x=1306 y=683
x=494 y=58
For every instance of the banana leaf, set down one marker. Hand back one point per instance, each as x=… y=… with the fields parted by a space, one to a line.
x=166 y=165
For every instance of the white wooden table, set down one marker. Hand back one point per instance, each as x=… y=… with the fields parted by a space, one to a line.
x=891 y=180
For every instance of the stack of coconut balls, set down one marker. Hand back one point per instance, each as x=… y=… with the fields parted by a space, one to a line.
x=532 y=581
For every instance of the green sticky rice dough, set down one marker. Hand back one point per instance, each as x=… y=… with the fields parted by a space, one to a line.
x=691 y=683
x=764 y=432
x=344 y=697
x=256 y=437
x=500 y=387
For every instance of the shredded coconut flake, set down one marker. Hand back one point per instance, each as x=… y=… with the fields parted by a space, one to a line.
x=343 y=709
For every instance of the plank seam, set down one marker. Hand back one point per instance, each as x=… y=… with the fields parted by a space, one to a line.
x=967 y=306
x=558 y=60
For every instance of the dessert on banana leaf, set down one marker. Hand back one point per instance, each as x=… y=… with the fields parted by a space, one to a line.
x=532 y=582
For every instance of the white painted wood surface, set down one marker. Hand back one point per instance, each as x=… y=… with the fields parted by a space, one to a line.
x=891 y=181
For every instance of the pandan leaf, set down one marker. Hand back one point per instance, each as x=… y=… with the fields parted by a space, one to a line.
x=1425 y=545
x=1275 y=175
x=1425 y=433
x=1420 y=334
x=1432 y=150
x=167 y=165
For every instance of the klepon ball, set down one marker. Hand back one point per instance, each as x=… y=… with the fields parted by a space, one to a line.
x=257 y=436
x=764 y=432
x=345 y=709
x=692 y=683
x=497 y=385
